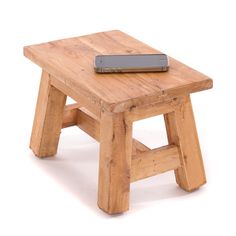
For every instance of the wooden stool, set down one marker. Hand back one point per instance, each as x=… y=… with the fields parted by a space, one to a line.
x=108 y=104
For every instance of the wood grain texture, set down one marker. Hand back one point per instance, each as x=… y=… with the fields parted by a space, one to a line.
x=107 y=106
x=155 y=161
x=48 y=119
x=150 y=110
x=82 y=99
x=88 y=122
x=70 y=115
x=115 y=163
x=71 y=62
x=181 y=131
x=138 y=147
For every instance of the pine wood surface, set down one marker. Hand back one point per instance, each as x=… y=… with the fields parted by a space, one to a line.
x=71 y=61
x=108 y=104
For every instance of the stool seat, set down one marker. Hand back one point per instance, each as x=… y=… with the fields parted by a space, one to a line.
x=106 y=107
x=72 y=59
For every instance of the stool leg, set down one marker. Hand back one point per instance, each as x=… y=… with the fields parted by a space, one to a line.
x=181 y=130
x=115 y=163
x=48 y=119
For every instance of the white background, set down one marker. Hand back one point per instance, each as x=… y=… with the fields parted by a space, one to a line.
x=57 y=196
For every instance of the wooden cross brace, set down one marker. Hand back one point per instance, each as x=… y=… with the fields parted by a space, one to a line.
x=122 y=159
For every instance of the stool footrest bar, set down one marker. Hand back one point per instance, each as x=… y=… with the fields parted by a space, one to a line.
x=155 y=161
x=89 y=123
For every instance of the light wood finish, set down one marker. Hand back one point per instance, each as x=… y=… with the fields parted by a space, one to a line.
x=70 y=115
x=138 y=147
x=71 y=62
x=154 y=162
x=152 y=109
x=108 y=104
x=115 y=163
x=48 y=119
x=89 y=123
x=77 y=95
x=181 y=131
